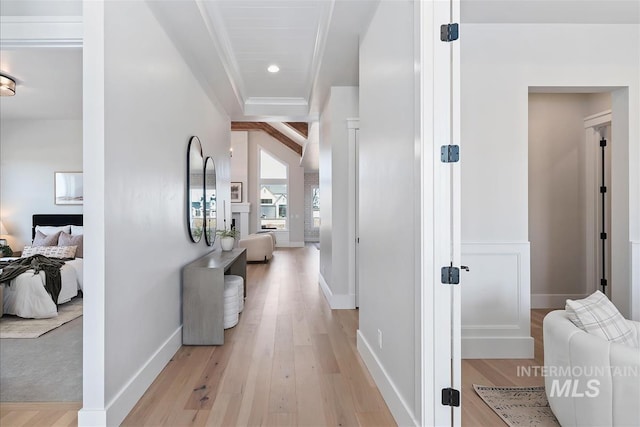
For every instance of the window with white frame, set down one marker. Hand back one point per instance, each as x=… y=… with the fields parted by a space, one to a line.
x=273 y=193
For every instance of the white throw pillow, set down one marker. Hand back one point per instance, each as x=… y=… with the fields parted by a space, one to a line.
x=46 y=230
x=76 y=230
x=50 y=251
x=597 y=315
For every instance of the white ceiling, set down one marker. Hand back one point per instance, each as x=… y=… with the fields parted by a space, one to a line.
x=230 y=43
x=48 y=83
x=255 y=34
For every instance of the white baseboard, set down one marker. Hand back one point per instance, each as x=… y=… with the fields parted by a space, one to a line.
x=92 y=418
x=497 y=348
x=336 y=301
x=553 y=300
x=635 y=281
x=398 y=407
x=120 y=406
x=288 y=244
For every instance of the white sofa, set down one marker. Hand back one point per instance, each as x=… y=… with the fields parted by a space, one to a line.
x=581 y=389
x=259 y=246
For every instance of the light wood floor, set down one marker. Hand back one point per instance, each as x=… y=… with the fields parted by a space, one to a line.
x=291 y=361
x=498 y=372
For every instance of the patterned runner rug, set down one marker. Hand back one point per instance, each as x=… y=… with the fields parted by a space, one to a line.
x=17 y=327
x=519 y=406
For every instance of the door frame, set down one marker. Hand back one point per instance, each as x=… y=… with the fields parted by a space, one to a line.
x=438 y=327
x=591 y=197
x=353 y=126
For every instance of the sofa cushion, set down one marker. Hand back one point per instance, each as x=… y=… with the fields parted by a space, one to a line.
x=597 y=315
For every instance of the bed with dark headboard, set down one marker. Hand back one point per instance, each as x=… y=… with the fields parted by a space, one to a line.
x=26 y=295
x=54 y=220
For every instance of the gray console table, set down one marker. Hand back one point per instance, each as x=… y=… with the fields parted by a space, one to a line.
x=203 y=295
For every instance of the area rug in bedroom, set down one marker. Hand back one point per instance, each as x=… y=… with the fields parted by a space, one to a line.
x=17 y=327
x=519 y=406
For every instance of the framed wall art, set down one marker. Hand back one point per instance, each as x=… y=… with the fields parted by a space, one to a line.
x=68 y=188
x=236 y=192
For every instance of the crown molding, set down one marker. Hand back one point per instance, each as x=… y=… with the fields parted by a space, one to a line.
x=40 y=31
x=288 y=107
x=320 y=45
x=220 y=39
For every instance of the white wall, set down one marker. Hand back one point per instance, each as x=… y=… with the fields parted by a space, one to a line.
x=240 y=160
x=499 y=64
x=341 y=105
x=325 y=174
x=257 y=140
x=388 y=203
x=30 y=152
x=137 y=127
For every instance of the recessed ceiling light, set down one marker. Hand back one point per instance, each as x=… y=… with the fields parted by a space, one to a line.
x=273 y=68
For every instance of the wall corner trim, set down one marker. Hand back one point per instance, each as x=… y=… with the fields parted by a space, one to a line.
x=397 y=405
x=92 y=417
x=336 y=301
x=124 y=401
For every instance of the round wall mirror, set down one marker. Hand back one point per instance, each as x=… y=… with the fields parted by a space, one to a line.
x=195 y=186
x=210 y=206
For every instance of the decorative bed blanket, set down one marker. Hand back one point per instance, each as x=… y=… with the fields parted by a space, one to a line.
x=37 y=263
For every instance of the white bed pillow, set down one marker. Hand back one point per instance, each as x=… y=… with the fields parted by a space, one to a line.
x=77 y=230
x=50 y=251
x=597 y=315
x=46 y=230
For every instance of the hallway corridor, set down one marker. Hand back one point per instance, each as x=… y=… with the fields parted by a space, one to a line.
x=290 y=361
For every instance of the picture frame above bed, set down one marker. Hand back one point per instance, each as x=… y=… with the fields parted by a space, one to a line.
x=68 y=188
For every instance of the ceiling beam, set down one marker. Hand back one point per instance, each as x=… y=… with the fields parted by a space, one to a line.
x=271 y=131
x=301 y=127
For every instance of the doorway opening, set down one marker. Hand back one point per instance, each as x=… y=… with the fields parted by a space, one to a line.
x=569 y=230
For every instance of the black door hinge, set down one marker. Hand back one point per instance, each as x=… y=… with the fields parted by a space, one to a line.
x=450 y=153
x=450 y=397
x=449 y=32
x=603 y=236
x=603 y=189
x=603 y=143
x=450 y=275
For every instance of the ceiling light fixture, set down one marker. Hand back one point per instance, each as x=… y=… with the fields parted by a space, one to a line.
x=273 y=68
x=7 y=86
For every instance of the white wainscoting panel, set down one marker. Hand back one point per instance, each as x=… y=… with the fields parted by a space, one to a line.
x=496 y=318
